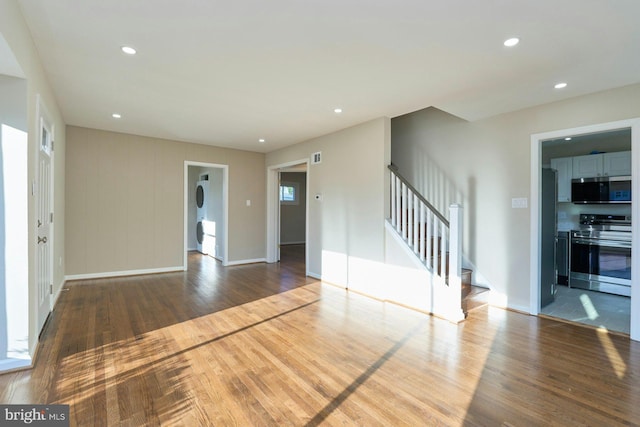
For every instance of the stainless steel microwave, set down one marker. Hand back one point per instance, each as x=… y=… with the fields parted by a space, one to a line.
x=605 y=189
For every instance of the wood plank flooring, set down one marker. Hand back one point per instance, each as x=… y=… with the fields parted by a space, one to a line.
x=263 y=345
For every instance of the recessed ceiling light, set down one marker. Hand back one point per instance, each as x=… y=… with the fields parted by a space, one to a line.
x=128 y=50
x=262 y=140
x=337 y=110
x=560 y=85
x=511 y=42
x=568 y=138
x=116 y=116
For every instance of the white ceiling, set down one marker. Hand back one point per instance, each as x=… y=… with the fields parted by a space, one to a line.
x=227 y=73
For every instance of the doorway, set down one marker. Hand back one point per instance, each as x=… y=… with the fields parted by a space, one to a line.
x=283 y=182
x=563 y=143
x=293 y=214
x=15 y=309
x=206 y=210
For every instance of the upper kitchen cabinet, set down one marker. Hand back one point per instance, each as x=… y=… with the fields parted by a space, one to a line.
x=606 y=164
x=564 y=167
x=617 y=164
x=588 y=166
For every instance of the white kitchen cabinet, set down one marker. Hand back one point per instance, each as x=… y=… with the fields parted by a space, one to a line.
x=606 y=164
x=564 y=167
x=588 y=166
x=617 y=164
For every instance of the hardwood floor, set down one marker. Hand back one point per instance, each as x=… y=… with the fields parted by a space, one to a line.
x=263 y=345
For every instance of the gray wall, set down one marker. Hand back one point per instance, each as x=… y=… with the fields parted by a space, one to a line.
x=125 y=201
x=484 y=164
x=13 y=102
x=293 y=216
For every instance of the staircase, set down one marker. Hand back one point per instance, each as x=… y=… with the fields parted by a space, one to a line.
x=436 y=242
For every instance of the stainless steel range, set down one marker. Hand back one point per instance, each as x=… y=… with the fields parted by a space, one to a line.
x=601 y=254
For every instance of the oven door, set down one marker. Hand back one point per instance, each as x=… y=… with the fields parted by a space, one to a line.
x=601 y=265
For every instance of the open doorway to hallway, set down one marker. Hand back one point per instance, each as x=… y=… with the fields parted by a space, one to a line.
x=206 y=211
x=288 y=213
x=292 y=197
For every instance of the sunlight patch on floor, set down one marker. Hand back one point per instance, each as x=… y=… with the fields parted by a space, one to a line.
x=589 y=308
x=617 y=363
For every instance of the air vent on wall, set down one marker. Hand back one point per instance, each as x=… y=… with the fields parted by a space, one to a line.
x=316 y=158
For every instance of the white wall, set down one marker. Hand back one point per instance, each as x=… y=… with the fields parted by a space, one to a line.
x=346 y=228
x=17 y=38
x=484 y=164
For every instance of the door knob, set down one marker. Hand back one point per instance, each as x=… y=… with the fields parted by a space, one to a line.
x=42 y=239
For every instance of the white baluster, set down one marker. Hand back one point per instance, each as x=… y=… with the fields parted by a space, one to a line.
x=429 y=238
x=398 y=204
x=404 y=211
x=416 y=223
x=393 y=199
x=443 y=249
x=409 y=235
x=422 y=231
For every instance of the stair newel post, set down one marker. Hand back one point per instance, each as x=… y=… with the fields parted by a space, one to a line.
x=455 y=262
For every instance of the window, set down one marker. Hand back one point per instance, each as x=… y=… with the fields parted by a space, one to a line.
x=289 y=193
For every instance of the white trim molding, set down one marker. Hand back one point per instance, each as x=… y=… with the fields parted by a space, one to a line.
x=247 y=261
x=109 y=274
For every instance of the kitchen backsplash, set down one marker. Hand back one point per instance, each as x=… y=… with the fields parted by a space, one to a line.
x=569 y=213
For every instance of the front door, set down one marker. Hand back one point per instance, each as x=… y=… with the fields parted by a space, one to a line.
x=43 y=221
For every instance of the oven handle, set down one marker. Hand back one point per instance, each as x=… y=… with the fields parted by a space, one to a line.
x=601 y=242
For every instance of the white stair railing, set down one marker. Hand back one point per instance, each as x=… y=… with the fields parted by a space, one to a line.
x=436 y=241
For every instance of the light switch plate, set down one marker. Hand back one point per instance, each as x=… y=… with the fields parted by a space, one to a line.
x=519 y=203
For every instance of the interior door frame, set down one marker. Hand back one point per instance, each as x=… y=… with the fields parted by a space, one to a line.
x=536 y=186
x=43 y=116
x=225 y=208
x=273 y=211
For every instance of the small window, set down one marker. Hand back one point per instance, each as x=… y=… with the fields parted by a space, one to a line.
x=289 y=193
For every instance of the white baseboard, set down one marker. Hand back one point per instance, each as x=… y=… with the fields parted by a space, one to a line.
x=247 y=261
x=314 y=275
x=123 y=273
x=8 y=365
x=57 y=295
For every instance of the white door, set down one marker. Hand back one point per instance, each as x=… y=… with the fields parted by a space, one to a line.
x=44 y=219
